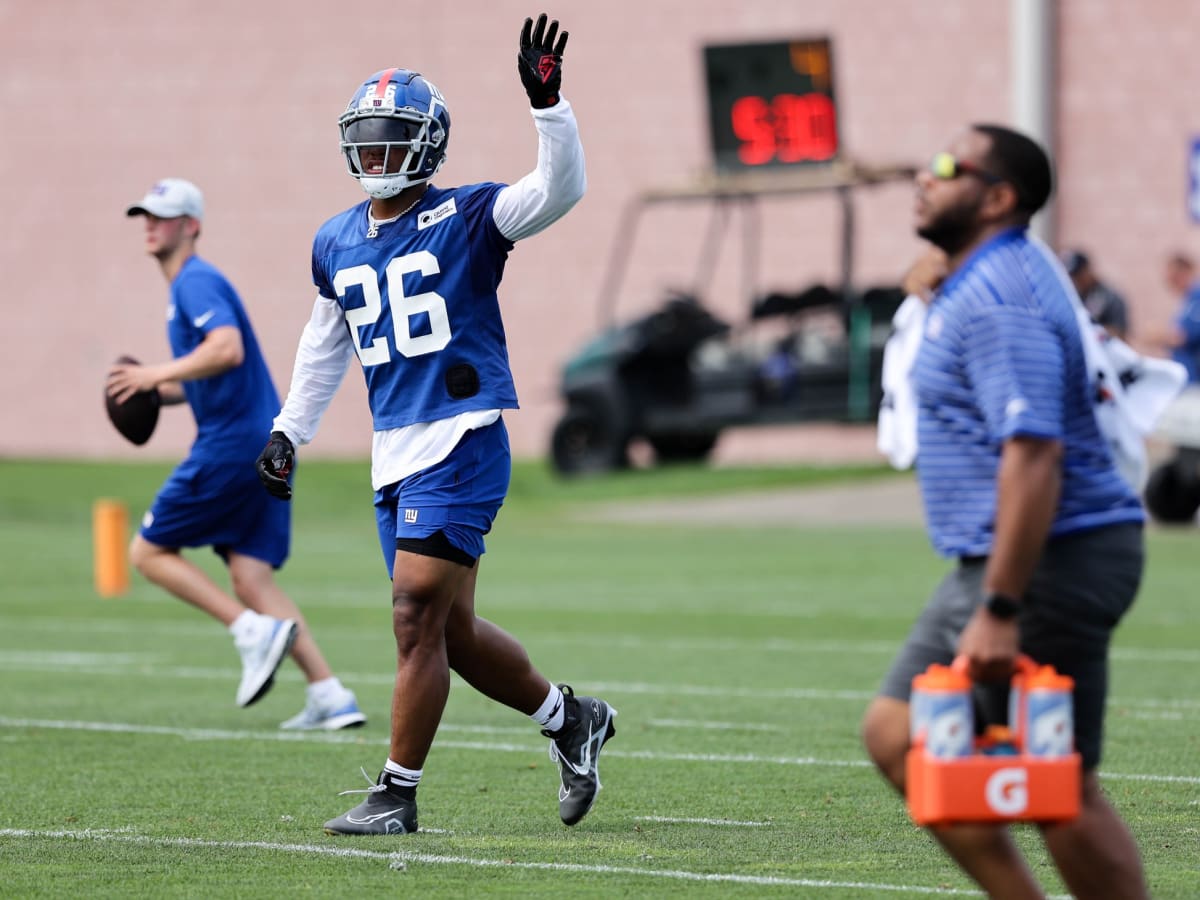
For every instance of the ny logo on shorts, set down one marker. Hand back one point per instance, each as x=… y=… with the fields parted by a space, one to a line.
x=410 y=516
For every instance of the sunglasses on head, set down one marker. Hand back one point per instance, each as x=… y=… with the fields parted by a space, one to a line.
x=946 y=167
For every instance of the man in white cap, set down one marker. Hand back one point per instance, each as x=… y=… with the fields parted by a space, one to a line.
x=171 y=198
x=213 y=498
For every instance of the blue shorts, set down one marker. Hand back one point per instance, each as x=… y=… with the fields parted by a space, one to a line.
x=458 y=496
x=222 y=505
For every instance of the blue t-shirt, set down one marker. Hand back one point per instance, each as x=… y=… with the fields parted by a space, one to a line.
x=1001 y=356
x=1188 y=321
x=233 y=410
x=420 y=303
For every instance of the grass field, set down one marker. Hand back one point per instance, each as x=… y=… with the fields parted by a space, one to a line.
x=740 y=659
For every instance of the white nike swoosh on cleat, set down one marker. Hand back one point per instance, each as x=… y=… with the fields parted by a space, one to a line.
x=587 y=756
x=367 y=820
x=594 y=737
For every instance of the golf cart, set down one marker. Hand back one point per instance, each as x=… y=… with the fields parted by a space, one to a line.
x=675 y=378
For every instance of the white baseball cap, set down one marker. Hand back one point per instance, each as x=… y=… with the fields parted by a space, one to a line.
x=169 y=199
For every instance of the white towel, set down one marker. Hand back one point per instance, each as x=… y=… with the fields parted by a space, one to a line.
x=896 y=437
x=1131 y=390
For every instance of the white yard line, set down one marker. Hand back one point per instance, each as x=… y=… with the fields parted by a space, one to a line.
x=217 y=734
x=412 y=857
x=672 y=820
x=149 y=666
x=696 y=725
x=204 y=630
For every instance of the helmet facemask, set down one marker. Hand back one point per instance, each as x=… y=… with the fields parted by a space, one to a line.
x=389 y=145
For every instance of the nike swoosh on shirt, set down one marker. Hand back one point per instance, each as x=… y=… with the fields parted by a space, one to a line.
x=201 y=321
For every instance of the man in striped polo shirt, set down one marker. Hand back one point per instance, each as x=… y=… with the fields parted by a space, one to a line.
x=1020 y=490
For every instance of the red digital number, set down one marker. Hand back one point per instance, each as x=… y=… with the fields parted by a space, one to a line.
x=806 y=127
x=754 y=126
x=791 y=128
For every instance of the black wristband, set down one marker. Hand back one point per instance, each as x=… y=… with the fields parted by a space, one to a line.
x=1002 y=606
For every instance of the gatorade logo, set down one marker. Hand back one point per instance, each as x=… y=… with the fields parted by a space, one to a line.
x=1007 y=791
x=1051 y=732
x=949 y=734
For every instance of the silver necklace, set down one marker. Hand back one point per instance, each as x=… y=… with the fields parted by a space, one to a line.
x=373 y=223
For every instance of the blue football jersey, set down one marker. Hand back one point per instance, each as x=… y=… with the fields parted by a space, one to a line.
x=233 y=410
x=420 y=304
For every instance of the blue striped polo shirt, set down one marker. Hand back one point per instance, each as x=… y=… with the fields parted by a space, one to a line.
x=1002 y=356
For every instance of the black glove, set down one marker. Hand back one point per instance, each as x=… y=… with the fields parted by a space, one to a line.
x=540 y=62
x=275 y=463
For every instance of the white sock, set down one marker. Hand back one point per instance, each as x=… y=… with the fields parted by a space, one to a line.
x=245 y=627
x=550 y=715
x=325 y=690
x=400 y=776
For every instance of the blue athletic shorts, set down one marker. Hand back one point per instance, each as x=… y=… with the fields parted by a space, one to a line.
x=458 y=496
x=222 y=505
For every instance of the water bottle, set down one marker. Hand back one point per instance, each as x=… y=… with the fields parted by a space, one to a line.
x=1047 y=724
x=941 y=715
x=1016 y=699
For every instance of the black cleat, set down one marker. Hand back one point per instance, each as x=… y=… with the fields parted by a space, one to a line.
x=576 y=749
x=383 y=812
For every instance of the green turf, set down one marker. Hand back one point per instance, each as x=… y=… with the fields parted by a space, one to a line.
x=740 y=658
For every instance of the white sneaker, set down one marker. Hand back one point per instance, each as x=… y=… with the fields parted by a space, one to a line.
x=343 y=713
x=261 y=658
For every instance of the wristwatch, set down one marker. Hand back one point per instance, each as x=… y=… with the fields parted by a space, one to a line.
x=1002 y=606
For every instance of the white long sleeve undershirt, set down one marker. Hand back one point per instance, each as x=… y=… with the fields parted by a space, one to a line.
x=521 y=210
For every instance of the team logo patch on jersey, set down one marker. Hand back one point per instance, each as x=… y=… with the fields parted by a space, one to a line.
x=437 y=214
x=410 y=516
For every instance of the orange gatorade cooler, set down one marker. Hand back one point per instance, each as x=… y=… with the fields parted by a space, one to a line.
x=1027 y=772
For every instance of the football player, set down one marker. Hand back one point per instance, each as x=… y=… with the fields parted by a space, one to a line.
x=220 y=372
x=407 y=282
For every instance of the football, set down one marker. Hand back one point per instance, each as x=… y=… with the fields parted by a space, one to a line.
x=136 y=417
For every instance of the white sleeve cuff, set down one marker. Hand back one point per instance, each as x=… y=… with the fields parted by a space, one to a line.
x=321 y=359
x=547 y=193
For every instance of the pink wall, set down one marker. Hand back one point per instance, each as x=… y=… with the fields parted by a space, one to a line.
x=101 y=99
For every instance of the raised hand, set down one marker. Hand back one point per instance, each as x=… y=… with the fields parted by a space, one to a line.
x=539 y=61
